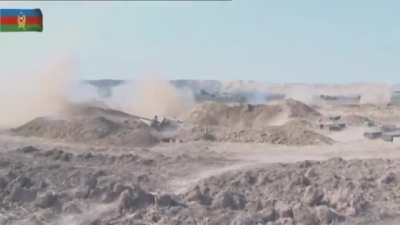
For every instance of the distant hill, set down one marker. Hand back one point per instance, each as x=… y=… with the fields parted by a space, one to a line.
x=255 y=92
x=104 y=86
x=204 y=90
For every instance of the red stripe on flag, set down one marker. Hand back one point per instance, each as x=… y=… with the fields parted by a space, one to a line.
x=13 y=20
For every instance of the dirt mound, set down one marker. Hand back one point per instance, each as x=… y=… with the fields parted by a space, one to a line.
x=218 y=114
x=298 y=109
x=249 y=116
x=287 y=122
x=291 y=133
x=92 y=125
x=94 y=109
x=294 y=132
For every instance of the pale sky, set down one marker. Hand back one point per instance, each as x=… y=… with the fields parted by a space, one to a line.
x=337 y=41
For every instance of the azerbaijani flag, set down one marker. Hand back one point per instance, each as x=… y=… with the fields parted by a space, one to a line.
x=16 y=20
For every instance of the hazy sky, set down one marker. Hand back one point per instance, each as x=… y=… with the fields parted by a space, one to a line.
x=276 y=41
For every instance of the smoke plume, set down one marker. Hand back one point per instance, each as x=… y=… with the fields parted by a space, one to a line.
x=151 y=97
x=24 y=98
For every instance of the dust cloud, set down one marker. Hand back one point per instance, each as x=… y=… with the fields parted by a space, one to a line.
x=377 y=94
x=35 y=94
x=152 y=96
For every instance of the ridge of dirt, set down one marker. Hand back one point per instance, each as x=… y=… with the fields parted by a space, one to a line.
x=246 y=116
x=92 y=125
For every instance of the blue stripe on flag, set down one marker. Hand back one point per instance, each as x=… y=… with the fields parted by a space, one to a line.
x=16 y=12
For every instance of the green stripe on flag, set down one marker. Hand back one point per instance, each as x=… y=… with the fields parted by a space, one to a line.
x=15 y=28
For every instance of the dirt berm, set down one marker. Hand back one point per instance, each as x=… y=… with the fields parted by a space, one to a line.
x=288 y=122
x=249 y=116
x=91 y=125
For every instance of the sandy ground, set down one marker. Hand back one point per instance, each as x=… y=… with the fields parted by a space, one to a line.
x=100 y=180
x=350 y=145
x=182 y=175
x=253 y=155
